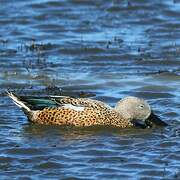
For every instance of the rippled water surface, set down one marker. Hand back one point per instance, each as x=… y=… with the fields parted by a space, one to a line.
x=103 y=49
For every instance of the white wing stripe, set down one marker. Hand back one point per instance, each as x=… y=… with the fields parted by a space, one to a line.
x=75 y=108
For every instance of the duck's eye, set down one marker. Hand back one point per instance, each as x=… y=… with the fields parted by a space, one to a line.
x=141 y=106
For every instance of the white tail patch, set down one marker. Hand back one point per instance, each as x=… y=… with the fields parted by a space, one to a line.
x=75 y=108
x=17 y=101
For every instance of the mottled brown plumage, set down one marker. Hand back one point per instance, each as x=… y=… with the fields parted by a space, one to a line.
x=83 y=111
x=94 y=113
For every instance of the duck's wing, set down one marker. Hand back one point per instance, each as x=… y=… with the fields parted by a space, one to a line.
x=41 y=102
x=75 y=111
x=81 y=102
x=34 y=102
x=63 y=110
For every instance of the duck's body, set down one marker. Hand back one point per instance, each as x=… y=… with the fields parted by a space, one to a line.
x=80 y=112
x=62 y=110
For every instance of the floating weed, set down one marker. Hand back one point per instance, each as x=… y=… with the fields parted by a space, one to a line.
x=116 y=42
x=35 y=63
x=177 y=174
x=4 y=41
x=53 y=89
x=35 y=54
x=83 y=94
x=38 y=47
x=33 y=46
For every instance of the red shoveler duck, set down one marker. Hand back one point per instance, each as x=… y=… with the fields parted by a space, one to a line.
x=63 y=110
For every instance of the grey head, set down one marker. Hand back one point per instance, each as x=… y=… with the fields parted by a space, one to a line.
x=138 y=112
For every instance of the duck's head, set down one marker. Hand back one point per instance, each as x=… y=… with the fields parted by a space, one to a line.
x=138 y=112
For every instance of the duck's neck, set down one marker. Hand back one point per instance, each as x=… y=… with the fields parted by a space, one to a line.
x=122 y=112
x=117 y=119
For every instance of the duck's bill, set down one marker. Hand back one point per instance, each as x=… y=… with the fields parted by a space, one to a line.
x=151 y=121
x=140 y=123
x=155 y=120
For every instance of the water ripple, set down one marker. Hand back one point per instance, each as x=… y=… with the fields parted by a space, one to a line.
x=105 y=50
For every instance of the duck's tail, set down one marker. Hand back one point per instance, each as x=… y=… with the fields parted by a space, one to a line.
x=19 y=102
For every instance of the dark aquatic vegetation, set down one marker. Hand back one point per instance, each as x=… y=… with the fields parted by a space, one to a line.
x=109 y=49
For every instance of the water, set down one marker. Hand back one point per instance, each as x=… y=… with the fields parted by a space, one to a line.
x=102 y=49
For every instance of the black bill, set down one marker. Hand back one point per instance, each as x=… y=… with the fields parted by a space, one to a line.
x=155 y=120
x=151 y=121
x=141 y=123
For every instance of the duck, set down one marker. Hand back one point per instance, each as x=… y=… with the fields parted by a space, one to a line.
x=129 y=112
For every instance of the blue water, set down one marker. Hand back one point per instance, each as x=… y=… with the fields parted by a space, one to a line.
x=101 y=49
